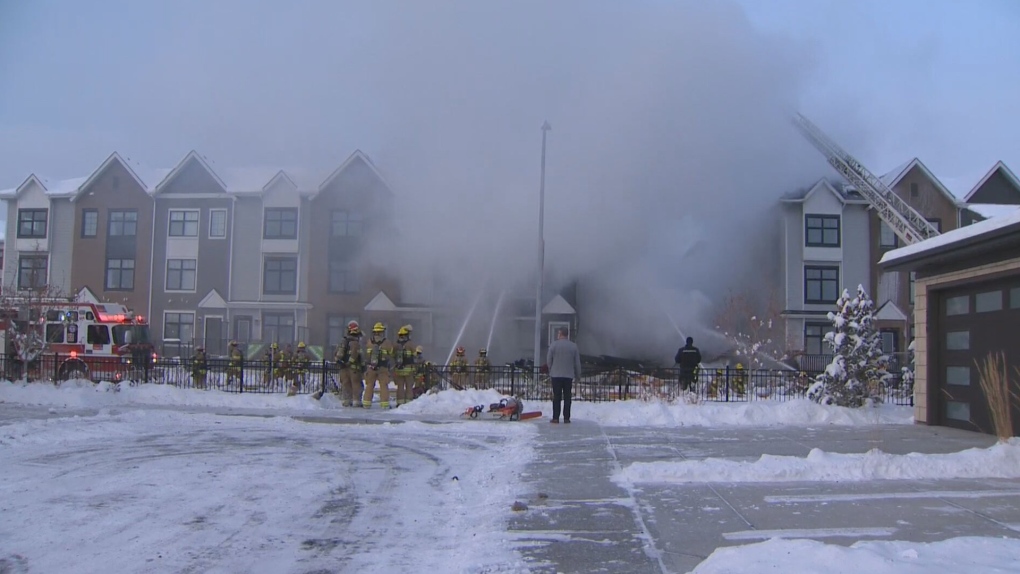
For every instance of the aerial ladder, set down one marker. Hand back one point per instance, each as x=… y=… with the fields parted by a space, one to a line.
x=909 y=225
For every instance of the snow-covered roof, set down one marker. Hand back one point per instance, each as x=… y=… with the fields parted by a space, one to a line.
x=357 y=155
x=246 y=179
x=990 y=210
x=970 y=232
x=842 y=192
x=893 y=177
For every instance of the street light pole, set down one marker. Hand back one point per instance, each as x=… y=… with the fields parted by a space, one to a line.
x=541 y=259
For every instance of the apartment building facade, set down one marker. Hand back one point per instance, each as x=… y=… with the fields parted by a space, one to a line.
x=833 y=240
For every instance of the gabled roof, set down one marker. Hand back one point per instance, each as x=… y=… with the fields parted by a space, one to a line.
x=51 y=187
x=895 y=176
x=380 y=303
x=212 y=301
x=85 y=295
x=803 y=195
x=999 y=166
x=192 y=156
x=357 y=155
x=558 y=306
x=990 y=210
x=248 y=179
x=115 y=157
x=890 y=312
x=281 y=176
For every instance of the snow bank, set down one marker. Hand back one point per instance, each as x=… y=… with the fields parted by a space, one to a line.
x=964 y=554
x=1001 y=460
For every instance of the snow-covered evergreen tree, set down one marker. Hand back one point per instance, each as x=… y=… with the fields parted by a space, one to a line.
x=858 y=369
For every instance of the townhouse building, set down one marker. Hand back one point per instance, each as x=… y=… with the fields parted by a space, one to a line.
x=833 y=240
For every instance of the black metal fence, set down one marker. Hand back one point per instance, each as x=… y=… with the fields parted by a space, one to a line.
x=725 y=384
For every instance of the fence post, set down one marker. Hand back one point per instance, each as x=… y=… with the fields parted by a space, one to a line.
x=513 y=381
x=324 y=375
x=727 y=383
x=240 y=376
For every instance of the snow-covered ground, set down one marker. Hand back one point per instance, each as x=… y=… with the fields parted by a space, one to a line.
x=153 y=478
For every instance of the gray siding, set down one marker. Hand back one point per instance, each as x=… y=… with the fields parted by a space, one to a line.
x=304 y=238
x=246 y=272
x=856 y=249
x=61 y=241
x=997 y=189
x=10 y=250
x=793 y=237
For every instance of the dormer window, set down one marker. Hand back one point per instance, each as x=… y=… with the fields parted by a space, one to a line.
x=821 y=230
x=280 y=223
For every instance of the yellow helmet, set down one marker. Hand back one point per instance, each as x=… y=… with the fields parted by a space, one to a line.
x=301 y=345
x=378 y=328
x=482 y=351
x=275 y=346
x=404 y=331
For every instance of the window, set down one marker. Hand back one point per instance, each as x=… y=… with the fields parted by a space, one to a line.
x=32 y=271
x=180 y=326
x=123 y=223
x=343 y=277
x=990 y=301
x=912 y=286
x=97 y=335
x=278 y=327
x=890 y=340
x=120 y=274
x=32 y=223
x=280 y=276
x=346 y=224
x=54 y=332
x=957 y=375
x=913 y=190
x=814 y=337
x=888 y=236
x=180 y=274
x=958 y=340
x=280 y=223
x=822 y=230
x=936 y=222
x=217 y=223
x=958 y=411
x=1014 y=297
x=337 y=328
x=821 y=284
x=183 y=223
x=89 y=222
x=554 y=325
x=958 y=305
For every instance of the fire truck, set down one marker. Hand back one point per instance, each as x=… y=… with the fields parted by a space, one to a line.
x=75 y=340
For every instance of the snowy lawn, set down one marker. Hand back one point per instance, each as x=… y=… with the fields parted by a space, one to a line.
x=146 y=490
x=141 y=489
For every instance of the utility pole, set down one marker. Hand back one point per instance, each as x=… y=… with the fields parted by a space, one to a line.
x=541 y=259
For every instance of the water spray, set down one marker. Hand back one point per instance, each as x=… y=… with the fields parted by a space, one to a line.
x=495 y=314
x=463 y=327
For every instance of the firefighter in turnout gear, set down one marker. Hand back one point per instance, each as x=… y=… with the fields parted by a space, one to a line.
x=299 y=369
x=351 y=361
x=379 y=361
x=234 y=369
x=403 y=372
x=284 y=370
x=271 y=358
x=459 y=370
x=199 y=368
x=483 y=370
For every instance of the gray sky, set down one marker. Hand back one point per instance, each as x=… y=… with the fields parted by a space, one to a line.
x=666 y=115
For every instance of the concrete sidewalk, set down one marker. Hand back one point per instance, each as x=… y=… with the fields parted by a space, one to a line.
x=580 y=521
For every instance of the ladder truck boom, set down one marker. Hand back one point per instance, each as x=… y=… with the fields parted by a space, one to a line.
x=909 y=225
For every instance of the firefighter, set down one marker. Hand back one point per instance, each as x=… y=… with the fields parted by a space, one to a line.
x=404 y=366
x=420 y=372
x=351 y=361
x=459 y=370
x=285 y=369
x=299 y=368
x=379 y=360
x=483 y=370
x=199 y=367
x=234 y=369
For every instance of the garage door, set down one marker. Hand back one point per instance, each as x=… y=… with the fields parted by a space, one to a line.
x=975 y=320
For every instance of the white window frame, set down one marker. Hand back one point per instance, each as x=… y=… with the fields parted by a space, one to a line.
x=166 y=276
x=212 y=212
x=554 y=325
x=198 y=223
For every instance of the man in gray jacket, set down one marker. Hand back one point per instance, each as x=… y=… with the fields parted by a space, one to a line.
x=564 y=362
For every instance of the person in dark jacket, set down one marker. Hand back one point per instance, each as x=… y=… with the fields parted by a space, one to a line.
x=688 y=358
x=564 y=362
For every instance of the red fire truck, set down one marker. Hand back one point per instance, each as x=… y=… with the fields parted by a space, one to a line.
x=76 y=339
